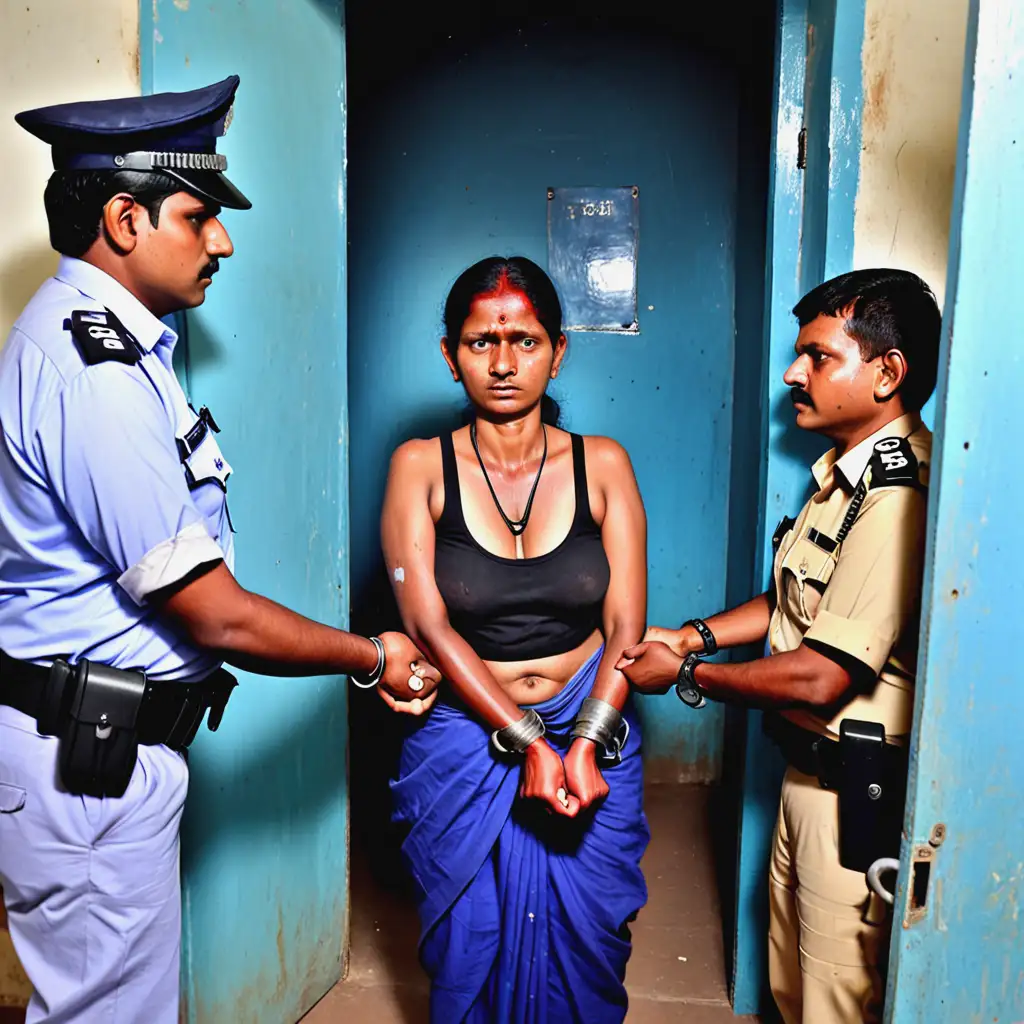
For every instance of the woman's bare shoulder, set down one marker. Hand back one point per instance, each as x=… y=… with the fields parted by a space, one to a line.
x=417 y=457
x=605 y=454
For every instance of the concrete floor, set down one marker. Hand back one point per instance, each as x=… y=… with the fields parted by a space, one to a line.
x=676 y=973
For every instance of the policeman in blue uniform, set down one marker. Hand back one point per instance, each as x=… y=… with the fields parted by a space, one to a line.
x=117 y=599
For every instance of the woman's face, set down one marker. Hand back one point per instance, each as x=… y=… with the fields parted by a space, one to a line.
x=503 y=356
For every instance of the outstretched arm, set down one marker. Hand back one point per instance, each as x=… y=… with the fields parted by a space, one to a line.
x=255 y=633
x=745 y=624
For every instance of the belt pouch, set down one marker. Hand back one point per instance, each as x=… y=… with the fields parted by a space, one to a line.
x=56 y=698
x=98 y=739
x=870 y=800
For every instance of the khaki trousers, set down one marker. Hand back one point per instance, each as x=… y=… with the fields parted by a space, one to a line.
x=827 y=929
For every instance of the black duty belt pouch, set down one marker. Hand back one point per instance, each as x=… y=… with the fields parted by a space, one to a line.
x=871 y=795
x=98 y=736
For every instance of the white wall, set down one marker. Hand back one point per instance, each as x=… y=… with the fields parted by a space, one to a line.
x=913 y=62
x=51 y=51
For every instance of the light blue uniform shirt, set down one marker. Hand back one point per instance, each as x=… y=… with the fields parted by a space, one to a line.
x=96 y=512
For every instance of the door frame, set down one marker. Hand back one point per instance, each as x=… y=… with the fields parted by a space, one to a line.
x=957 y=951
x=814 y=172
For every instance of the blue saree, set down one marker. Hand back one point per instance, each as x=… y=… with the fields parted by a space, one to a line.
x=524 y=915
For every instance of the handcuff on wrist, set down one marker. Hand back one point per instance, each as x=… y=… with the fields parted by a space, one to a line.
x=603 y=724
x=515 y=737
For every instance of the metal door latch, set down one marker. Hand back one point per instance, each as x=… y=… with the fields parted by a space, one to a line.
x=922 y=858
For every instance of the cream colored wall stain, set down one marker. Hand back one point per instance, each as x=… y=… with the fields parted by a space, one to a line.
x=913 y=64
x=51 y=51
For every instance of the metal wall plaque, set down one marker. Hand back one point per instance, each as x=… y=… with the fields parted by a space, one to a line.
x=593 y=235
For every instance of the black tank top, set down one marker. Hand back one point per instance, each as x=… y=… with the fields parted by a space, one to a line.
x=518 y=609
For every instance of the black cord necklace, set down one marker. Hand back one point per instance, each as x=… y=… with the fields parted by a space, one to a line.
x=515 y=526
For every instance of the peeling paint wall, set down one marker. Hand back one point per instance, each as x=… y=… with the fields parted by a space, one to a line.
x=667 y=394
x=51 y=51
x=913 y=62
x=264 y=835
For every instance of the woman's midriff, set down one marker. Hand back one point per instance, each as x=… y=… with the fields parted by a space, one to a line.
x=538 y=680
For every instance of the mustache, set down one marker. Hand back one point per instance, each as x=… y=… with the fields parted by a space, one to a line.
x=210 y=269
x=801 y=396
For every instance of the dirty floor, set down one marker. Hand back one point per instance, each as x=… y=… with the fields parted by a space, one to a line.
x=676 y=973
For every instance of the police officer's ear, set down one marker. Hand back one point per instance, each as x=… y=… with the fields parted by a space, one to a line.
x=121 y=216
x=890 y=374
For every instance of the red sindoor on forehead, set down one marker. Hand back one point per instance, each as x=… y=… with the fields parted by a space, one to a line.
x=504 y=287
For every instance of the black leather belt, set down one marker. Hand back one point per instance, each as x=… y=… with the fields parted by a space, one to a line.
x=171 y=713
x=821 y=757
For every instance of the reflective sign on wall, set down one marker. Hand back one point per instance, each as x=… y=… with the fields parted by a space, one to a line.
x=592 y=245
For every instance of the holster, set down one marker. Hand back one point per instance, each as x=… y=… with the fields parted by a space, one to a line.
x=868 y=775
x=93 y=710
x=872 y=784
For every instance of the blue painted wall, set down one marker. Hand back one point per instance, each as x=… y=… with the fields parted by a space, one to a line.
x=264 y=852
x=964 y=960
x=453 y=165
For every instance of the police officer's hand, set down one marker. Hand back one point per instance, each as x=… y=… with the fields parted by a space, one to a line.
x=410 y=682
x=681 y=641
x=650 y=667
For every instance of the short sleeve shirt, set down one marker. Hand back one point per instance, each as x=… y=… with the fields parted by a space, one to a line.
x=97 y=508
x=858 y=601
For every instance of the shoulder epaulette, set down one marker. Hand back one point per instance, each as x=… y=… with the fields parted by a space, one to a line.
x=101 y=337
x=894 y=464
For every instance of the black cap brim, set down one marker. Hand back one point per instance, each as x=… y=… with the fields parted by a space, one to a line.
x=212 y=186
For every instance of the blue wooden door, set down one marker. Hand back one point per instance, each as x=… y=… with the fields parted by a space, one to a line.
x=958 y=943
x=265 y=843
x=814 y=168
x=795 y=238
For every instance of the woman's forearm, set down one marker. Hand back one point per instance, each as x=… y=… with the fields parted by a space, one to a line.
x=467 y=675
x=611 y=685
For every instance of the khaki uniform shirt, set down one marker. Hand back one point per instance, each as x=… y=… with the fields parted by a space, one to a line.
x=860 y=600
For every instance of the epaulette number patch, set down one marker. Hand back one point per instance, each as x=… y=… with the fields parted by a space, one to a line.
x=101 y=337
x=894 y=463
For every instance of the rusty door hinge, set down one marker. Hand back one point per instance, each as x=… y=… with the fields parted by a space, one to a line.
x=801 y=150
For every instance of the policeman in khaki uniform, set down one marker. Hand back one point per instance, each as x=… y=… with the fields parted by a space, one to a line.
x=118 y=602
x=841 y=625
